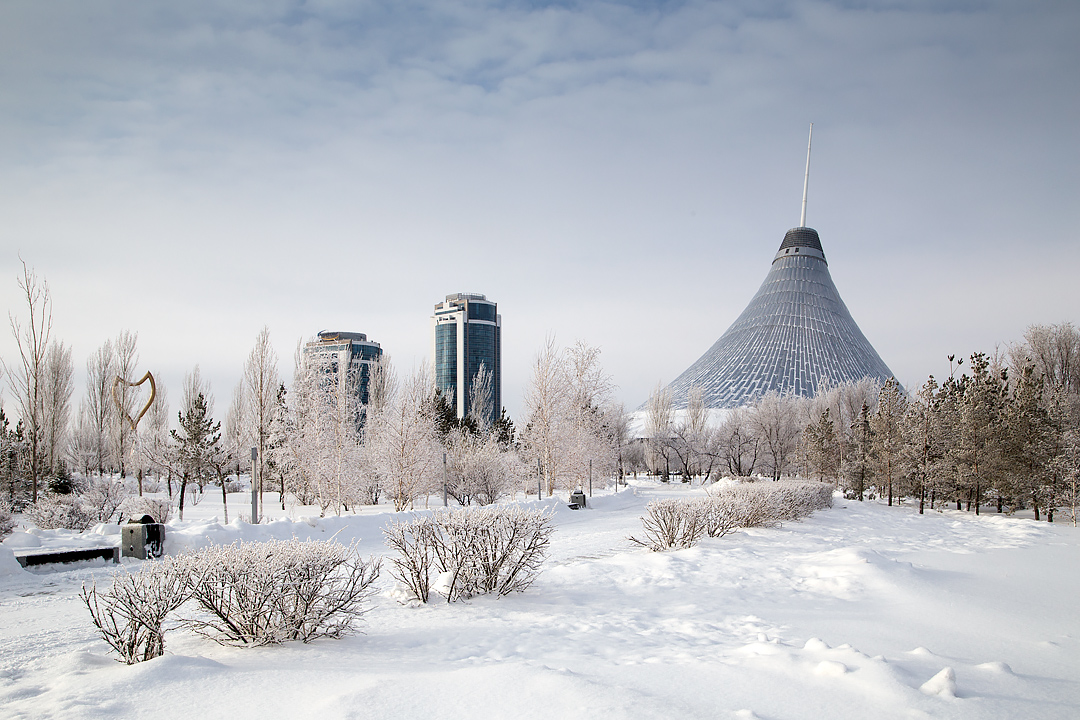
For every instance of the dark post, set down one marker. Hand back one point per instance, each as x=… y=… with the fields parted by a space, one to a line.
x=254 y=487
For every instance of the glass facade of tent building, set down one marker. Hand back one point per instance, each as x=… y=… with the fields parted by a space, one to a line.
x=795 y=336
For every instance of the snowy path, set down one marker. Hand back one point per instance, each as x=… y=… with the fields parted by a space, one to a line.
x=844 y=615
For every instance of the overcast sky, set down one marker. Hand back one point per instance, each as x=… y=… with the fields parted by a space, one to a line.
x=616 y=172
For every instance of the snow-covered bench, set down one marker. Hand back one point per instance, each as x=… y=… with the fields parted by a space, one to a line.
x=41 y=556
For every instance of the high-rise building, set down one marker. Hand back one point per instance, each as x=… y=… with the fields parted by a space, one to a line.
x=795 y=335
x=467 y=333
x=346 y=357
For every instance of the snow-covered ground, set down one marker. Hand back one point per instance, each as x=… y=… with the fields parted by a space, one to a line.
x=861 y=611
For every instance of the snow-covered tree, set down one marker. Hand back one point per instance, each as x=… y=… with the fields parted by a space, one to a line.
x=123 y=435
x=261 y=383
x=198 y=437
x=98 y=408
x=401 y=447
x=659 y=420
x=773 y=419
x=28 y=377
x=885 y=425
x=59 y=386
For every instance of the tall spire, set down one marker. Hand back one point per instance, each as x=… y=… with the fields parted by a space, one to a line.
x=806 y=179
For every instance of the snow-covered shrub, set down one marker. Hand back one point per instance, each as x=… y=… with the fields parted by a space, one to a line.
x=102 y=499
x=500 y=549
x=671 y=523
x=135 y=507
x=493 y=549
x=60 y=511
x=131 y=613
x=719 y=516
x=271 y=592
x=7 y=522
x=414 y=541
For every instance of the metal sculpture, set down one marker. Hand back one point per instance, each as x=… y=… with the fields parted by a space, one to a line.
x=120 y=406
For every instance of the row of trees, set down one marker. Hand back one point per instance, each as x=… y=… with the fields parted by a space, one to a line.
x=315 y=442
x=1002 y=430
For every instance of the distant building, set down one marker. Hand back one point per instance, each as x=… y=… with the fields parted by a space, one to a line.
x=467 y=333
x=346 y=357
x=795 y=336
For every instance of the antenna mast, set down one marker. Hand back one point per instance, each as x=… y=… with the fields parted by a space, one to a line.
x=806 y=179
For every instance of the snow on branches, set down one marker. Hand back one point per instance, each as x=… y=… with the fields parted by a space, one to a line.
x=486 y=550
x=673 y=524
x=245 y=594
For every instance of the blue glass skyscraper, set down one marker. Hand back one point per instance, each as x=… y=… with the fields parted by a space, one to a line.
x=467 y=333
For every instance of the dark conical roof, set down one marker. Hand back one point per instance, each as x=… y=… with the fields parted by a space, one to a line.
x=795 y=335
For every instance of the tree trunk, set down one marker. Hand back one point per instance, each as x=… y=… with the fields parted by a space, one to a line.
x=922 y=500
x=224 y=497
x=978 y=496
x=183 y=492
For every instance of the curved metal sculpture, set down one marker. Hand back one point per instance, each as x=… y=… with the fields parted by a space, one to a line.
x=120 y=406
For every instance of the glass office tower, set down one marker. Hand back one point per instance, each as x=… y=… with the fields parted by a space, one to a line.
x=467 y=333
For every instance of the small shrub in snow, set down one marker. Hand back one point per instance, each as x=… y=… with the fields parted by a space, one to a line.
x=60 y=511
x=719 y=516
x=131 y=613
x=671 y=524
x=7 y=522
x=103 y=498
x=272 y=592
x=136 y=507
x=414 y=542
x=476 y=551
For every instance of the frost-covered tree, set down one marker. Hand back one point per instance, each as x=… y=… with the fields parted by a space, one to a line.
x=59 y=387
x=547 y=401
x=323 y=442
x=123 y=394
x=737 y=445
x=482 y=399
x=659 y=420
x=401 y=446
x=821 y=448
x=774 y=419
x=888 y=439
x=197 y=442
x=858 y=469
x=155 y=440
x=28 y=377
x=261 y=383
x=100 y=373
x=922 y=451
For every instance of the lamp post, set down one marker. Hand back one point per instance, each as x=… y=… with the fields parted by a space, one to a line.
x=254 y=487
x=444 y=500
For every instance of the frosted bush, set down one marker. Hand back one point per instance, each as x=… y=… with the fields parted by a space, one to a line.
x=7 y=522
x=130 y=615
x=414 y=542
x=136 y=507
x=272 y=592
x=60 y=511
x=477 y=551
x=102 y=499
x=671 y=524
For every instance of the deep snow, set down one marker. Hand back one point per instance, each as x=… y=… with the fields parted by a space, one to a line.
x=858 y=611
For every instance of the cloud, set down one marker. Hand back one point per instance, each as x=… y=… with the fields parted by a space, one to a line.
x=619 y=172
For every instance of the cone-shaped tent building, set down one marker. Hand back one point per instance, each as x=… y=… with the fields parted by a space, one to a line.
x=794 y=336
